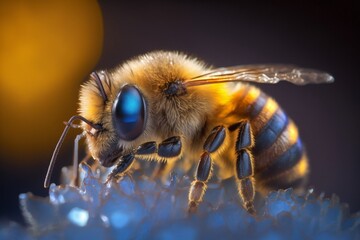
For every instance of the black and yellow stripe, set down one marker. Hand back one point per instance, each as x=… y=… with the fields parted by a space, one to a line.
x=280 y=159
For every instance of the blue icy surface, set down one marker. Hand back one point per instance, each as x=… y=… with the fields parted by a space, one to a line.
x=137 y=207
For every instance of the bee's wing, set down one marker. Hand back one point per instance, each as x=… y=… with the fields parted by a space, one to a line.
x=262 y=74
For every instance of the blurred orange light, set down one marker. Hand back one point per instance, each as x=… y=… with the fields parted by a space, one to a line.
x=46 y=49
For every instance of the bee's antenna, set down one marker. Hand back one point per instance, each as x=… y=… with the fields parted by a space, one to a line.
x=98 y=82
x=60 y=142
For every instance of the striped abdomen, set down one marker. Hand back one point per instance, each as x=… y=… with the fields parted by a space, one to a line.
x=280 y=159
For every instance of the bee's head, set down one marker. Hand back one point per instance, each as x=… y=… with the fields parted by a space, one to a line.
x=120 y=110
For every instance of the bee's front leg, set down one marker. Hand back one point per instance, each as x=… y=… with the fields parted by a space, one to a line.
x=167 y=149
x=75 y=169
x=122 y=166
x=203 y=171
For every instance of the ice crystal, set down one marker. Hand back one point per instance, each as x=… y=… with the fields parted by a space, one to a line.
x=137 y=207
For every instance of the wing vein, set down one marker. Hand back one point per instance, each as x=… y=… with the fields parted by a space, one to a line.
x=261 y=74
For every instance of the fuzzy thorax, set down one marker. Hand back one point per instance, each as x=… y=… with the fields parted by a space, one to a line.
x=168 y=114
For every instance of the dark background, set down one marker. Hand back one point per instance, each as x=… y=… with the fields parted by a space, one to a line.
x=319 y=35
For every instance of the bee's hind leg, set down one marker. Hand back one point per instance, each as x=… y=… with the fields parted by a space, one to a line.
x=203 y=171
x=244 y=167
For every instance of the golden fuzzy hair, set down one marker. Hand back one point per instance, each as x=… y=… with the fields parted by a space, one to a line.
x=184 y=115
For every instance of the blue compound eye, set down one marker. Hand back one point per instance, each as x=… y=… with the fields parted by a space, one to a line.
x=128 y=113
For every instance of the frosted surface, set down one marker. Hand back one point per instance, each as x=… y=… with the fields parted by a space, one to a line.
x=140 y=208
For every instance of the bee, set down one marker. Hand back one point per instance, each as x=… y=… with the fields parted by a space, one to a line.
x=172 y=108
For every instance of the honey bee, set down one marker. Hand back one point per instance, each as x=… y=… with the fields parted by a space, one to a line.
x=172 y=108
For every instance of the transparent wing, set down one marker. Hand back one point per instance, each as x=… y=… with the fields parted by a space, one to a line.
x=262 y=74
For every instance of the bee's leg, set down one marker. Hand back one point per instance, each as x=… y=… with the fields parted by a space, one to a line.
x=75 y=168
x=170 y=148
x=245 y=165
x=203 y=171
x=122 y=166
x=167 y=149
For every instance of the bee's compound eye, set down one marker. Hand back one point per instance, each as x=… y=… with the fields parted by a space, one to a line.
x=128 y=113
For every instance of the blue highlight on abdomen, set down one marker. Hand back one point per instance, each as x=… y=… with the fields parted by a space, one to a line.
x=266 y=139
x=258 y=105
x=284 y=162
x=271 y=131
